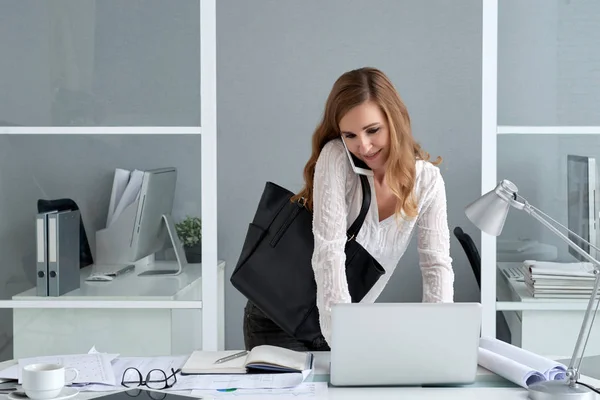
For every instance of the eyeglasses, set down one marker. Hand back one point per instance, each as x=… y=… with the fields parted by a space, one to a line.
x=155 y=379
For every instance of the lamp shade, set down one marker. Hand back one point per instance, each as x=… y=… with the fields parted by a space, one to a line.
x=488 y=213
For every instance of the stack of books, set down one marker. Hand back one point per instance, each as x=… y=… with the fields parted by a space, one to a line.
x=554 y=280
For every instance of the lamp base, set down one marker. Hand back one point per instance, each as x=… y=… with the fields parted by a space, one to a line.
x=555 y=390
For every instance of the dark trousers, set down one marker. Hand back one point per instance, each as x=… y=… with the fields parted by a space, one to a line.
x=259 y=329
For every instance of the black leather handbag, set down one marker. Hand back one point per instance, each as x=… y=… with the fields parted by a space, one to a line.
x=274 y=270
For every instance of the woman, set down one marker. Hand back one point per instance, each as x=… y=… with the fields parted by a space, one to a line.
x=365 y=112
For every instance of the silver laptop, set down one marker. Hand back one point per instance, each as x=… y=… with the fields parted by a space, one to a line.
x=404 y=344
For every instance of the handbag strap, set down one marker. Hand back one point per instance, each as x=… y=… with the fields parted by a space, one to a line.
x=357 y=224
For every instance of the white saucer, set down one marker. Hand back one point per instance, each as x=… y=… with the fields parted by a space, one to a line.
x=66 y=393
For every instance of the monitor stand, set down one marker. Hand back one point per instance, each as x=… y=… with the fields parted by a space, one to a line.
x=177 y=247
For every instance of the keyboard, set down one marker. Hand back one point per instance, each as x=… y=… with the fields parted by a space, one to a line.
x=514 y=273
x=111 y=270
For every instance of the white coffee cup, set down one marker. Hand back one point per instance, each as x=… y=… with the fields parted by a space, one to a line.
x=45 y=381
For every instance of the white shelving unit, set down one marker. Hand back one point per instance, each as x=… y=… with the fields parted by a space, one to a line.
x=489 y=179
x=211 y=302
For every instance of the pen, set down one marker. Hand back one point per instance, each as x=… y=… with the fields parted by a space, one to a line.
x=231 y=357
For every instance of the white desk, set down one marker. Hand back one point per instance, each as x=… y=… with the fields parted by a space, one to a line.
x=544 y=326
x=127 y=331
x=381 y=394
x=488 y=386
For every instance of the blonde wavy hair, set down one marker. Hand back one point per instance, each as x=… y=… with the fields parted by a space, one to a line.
x=350 y=90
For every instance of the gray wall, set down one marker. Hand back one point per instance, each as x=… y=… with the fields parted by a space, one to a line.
x=277 y=61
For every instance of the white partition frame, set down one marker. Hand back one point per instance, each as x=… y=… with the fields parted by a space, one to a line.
x=212 y=332
x=489 y=137
x=208 y=102
x=489 y=124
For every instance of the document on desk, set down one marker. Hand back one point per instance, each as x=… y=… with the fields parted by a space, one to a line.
x=93 y=368
x=240 y=381
x=142 y=364
x=146 y=364
x=306 y=390
x=517 y=365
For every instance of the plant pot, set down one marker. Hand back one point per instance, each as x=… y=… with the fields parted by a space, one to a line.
x=194 y=254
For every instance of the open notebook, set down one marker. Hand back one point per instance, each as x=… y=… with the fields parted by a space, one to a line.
x=262 y=358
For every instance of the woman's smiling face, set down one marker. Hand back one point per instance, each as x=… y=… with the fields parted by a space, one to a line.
x=365 y=130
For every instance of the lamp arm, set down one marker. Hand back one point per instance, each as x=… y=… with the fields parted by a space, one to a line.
x=531 y=211
x=588 y=319
x=537 y=210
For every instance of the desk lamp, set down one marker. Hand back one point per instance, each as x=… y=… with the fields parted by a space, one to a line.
x=489 y=213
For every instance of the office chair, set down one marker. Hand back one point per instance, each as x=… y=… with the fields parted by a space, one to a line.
x=468 y=245
x=471 y=251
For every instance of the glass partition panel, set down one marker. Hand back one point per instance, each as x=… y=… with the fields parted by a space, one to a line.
x=547 y=63
x=100 y=63
x=557 y=175
x=43 y=172
x=124 y=331
x=539 y=166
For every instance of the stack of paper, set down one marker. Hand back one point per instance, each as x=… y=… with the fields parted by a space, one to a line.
x=517 y=365
x=545 y=279
x=93 y=368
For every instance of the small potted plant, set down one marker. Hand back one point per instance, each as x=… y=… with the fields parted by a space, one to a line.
x=189 y=232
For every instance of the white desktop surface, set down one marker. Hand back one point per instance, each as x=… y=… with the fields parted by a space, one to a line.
x=380 y=394
x=488 y=387
x=129 y=286
x=42 y=331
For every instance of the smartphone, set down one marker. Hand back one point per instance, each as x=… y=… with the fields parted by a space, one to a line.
x=358 y=166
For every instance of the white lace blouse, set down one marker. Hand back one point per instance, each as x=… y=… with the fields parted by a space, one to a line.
x=337 y=197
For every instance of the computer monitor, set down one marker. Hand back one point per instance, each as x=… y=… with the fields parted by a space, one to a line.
x=582 y=206
x=155 y=199
x=154 y=227
x=143 y=228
